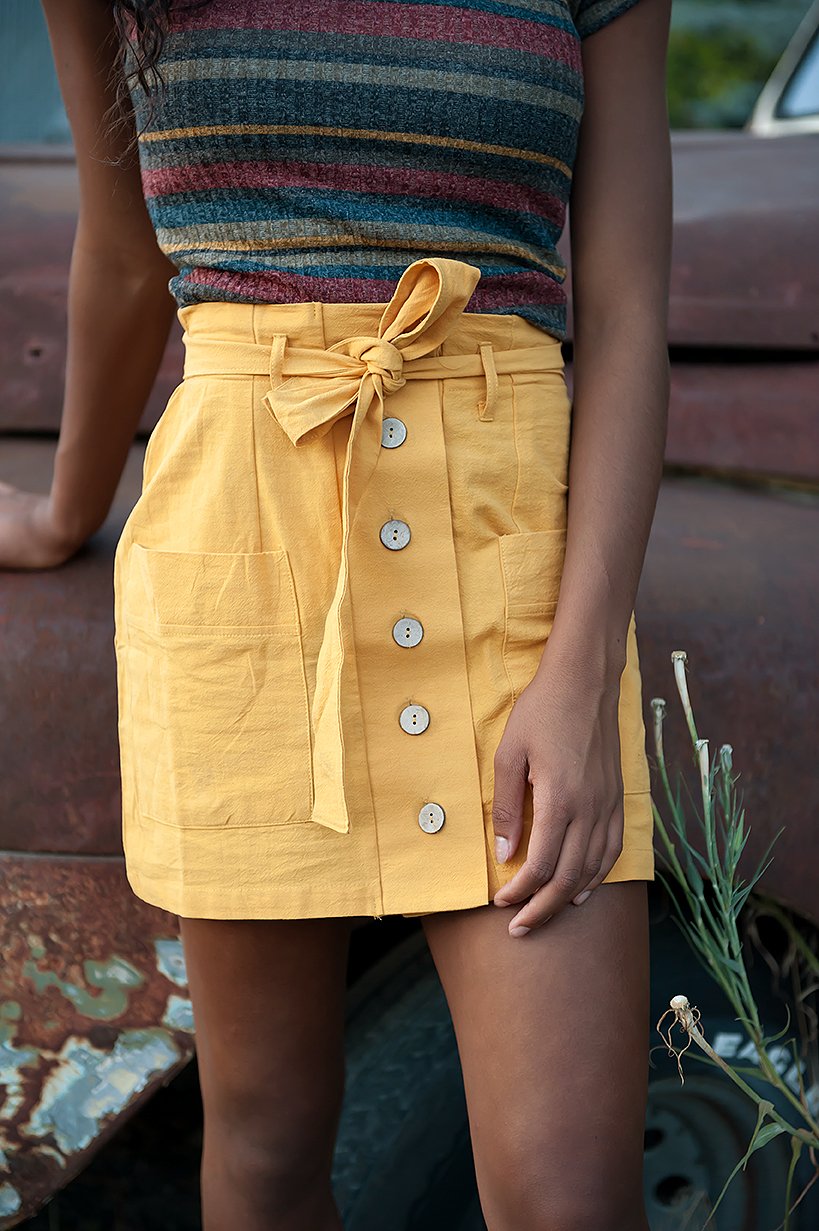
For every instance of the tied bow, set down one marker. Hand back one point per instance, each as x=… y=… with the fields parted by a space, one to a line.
x=311 y=390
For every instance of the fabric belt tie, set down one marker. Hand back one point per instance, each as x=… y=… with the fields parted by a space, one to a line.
x=312 y=389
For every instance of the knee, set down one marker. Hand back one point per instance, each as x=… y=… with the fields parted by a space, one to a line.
x=525 y=1189
x=273 y=1167
x=279 y=1150
x=266 y=1179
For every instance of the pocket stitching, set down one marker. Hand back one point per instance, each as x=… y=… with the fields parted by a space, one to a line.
x=513 y=607
x=142 y=554
x=518 y=381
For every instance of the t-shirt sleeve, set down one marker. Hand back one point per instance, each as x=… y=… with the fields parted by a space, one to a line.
x=591 y=15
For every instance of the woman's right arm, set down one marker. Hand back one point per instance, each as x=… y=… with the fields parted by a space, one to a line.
x=119 y=307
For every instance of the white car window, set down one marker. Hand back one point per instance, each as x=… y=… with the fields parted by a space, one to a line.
x=801 y=95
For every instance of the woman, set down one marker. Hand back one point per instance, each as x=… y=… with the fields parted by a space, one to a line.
x=346 y=685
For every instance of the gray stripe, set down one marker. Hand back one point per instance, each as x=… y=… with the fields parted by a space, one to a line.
x=383 y=76
x=423 y=235
x=386 y=49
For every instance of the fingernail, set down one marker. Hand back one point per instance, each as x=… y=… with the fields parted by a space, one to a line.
x=501 y=849
x=581 y=897
x=519 y=931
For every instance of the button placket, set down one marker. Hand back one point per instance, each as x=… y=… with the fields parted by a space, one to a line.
x=408 y=631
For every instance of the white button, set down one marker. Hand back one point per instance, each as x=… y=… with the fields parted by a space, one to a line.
x=395 y=535
x=431 y=818
x=393 y=433
x=414 y=719
x=407 y=632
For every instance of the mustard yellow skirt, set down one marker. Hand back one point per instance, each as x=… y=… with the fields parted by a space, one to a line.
x=341 y=571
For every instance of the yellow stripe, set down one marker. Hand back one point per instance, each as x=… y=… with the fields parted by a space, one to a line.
x=313 y=130
x=327 y=241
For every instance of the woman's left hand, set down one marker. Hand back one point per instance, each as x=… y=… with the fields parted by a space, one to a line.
x=30 y=537
x=562 y=736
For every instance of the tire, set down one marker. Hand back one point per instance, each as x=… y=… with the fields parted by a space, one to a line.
x=403 y=1158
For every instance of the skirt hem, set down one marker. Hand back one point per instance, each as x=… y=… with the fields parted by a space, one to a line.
x=217 y=902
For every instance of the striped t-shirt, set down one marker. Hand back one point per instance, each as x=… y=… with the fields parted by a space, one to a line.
x=310 y=150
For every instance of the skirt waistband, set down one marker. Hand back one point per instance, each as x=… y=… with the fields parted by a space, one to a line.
x=322 y=323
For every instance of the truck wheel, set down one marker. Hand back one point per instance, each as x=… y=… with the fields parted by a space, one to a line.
x=403 y=1158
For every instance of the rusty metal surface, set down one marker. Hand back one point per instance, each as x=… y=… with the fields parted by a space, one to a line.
x=94 y=1016
x=746 y=415
x=38 y=207
x=59 y=760
x=731 y=578
x=746 y=214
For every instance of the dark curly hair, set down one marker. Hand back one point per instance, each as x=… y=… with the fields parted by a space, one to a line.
x=141 y=27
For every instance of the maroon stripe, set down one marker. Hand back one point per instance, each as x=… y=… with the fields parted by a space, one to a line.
x=353 y=177
x=276 y=286
x=515 y=291
x=425 y=21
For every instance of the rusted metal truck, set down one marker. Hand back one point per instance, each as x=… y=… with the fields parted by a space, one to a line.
x=94 y=1015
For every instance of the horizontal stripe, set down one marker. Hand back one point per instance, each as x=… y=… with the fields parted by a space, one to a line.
x=290 y=218
x=317 y=240
x=352 y=177
x=472 y=28
x=504 y=290
x=524 y=63
x=312 y=130
x=326 y=152
x=355 y=110
x=400 y=78
x=369 y=16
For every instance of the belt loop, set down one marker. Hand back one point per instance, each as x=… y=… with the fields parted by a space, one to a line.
x=487 y=404
x=275 y=361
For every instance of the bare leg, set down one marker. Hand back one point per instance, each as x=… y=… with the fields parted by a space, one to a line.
x=268 y=1004
x=553 y=1034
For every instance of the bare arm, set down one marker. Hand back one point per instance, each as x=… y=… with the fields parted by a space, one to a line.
x=119 y=308
x=563 y=731
x=621 y=237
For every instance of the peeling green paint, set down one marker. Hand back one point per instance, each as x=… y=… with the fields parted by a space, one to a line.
x=12 y=1060
x=170 y=961
x=35 y=946
x=113 y=979
x=9 y=1200
x=88 y=1086
x=178 y=1014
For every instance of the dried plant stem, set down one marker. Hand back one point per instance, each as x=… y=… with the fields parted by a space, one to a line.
x=708 y=895
x=687 y=1017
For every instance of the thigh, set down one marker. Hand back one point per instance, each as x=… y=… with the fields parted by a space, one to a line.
x=553 y=1034
x=268 y=1006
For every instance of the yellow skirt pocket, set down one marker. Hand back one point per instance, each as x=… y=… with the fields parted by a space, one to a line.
x=215 y=671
